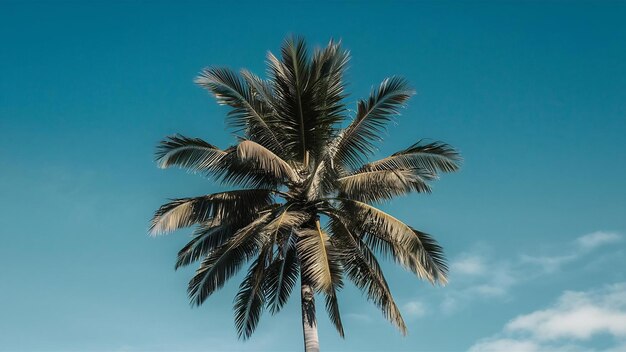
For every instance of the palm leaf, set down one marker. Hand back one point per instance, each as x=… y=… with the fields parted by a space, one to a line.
x=327 y=69
x=281 y=275
x=199 y=156
x=206 y=239
x=248 y=114
x=190 y=153
x=287 y=220
x=396 y=239
x=184 y=212
x=264 y=159
x=434 y=157
x=375 y=185
x=363 y=269
x=356 y=141
x=332 y=308
x=225 y=261
x=209 y=236
x=294 y=97
x=335 y=255
x=315 y=263
x=250 y=299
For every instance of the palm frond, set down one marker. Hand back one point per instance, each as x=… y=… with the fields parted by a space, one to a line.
x=321 y=181
x=332 y=308
x=205 y=239
x=197 y=155
x=264 y=159
x=396 y=239
x=356 y=141
x=315 y=262
x=434 y=157
x=288 y=219
x=290 y=78
x=190 y=153
x=225 y=261
x=431 y=256
x=249 y=114
x=185 y=212
x=250 y=299
x=375 y=185
x=281 y=275
x=335 y=255
x=233 y=171
x=327 y=70
x=363 y=269
x=210 y=235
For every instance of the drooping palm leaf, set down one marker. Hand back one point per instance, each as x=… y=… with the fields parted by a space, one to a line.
x=281 y=275
x=225 y=261
x=209 y=236
x=286 y=219
x=332 y=308
x=362 y=268
x=250 y=300
x=396 y=239
x=205 y=239
x=335 y=256
x=315 y=262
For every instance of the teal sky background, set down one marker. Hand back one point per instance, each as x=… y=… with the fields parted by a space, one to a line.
x=532 y=93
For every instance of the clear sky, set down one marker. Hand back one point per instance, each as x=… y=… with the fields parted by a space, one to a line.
x=533 y=95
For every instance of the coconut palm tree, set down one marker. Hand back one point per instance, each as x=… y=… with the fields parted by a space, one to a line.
x=306 y=207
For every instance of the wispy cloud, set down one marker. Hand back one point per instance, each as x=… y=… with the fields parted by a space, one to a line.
x=573 y=251
x=567 y=325
x=477 y=274
x=597 y=239
x=469 y=265
x=549 y=264
x=414 y=309
x=504 y=344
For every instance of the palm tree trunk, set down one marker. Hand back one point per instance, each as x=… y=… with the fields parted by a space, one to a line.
x=309 y=323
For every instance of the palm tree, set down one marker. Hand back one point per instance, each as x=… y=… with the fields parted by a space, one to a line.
x=306 y=204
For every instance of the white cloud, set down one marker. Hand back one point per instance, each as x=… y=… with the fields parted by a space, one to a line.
x=573 y=320
x=597 y=239
x=577 y=249
x=549 y=264
x=479 y=274
x=469 y=265
x=414 y=309
x=500 y=345
x=578 y=315
x=449 y=304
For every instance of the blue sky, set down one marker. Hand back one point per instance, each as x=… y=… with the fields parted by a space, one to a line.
x=533 y=95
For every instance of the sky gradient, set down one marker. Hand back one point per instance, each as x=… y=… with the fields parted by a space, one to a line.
x=532 y=94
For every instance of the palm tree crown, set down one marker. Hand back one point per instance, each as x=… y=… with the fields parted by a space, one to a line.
x=305 y=207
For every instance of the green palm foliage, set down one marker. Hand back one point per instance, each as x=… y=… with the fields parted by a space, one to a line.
x=295 y=165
